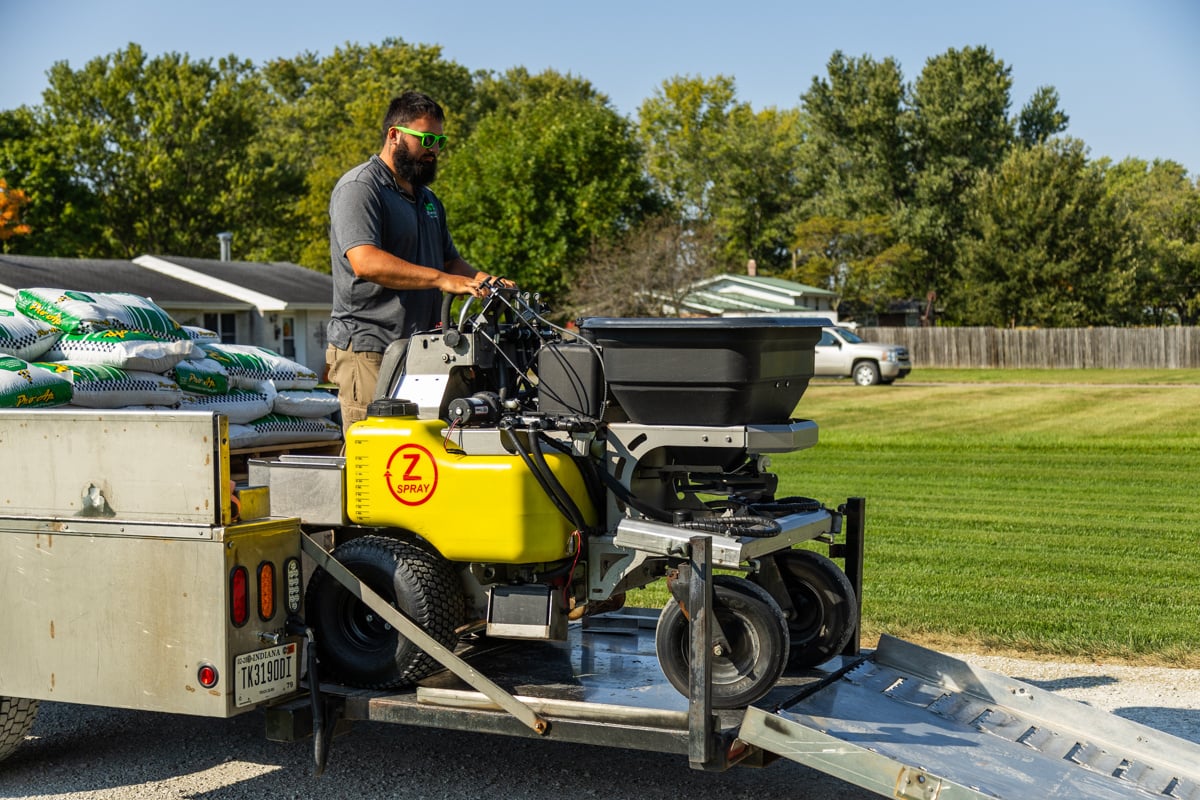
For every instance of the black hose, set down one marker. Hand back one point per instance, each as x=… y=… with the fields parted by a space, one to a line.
x=587 y=470
x=564 y=497
x=627 y=497
x=541 y=480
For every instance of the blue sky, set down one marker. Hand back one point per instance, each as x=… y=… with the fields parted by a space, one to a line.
x=1127 y=71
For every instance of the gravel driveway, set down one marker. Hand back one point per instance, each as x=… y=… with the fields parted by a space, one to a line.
x=86 y=753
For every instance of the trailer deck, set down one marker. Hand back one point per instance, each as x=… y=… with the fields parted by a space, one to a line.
x=900 y=720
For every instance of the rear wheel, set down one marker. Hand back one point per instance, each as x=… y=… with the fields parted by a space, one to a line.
x=354 y=644
x=866 y=373
x=824 y=614
x=754 y=660
x=16 y=719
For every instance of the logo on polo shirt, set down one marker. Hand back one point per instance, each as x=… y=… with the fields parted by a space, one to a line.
x=431 y=209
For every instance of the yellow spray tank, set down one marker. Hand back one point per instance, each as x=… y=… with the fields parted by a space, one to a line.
x=400 y=473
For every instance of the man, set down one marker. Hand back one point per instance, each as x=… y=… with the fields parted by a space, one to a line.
x=391 y=251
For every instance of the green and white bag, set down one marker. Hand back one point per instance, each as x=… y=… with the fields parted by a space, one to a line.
x=281 y=429
x=134 y=350
x=88 y=312
x=25 y=385
x=202 y=375
x=100 y=386
x=248 y=364
x=240 y=405
x=24 y=337
x=307 y=403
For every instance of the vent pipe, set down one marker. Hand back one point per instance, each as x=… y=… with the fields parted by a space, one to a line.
x=226 y=239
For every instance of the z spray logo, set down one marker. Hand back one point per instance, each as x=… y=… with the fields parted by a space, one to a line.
x=411 y=474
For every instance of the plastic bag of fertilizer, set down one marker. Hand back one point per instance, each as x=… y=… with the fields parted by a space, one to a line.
x=203 y=376
x=25 y=385
x=240 y=405
x=305 y=403
x=201 y=335
x=282 y=429
x=88 y=312
x=247 y=364
x=24 y=337
x=134 y=350
x=101 y=386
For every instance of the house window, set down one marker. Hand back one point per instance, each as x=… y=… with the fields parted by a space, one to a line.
x=224 y=324
x=287 y=342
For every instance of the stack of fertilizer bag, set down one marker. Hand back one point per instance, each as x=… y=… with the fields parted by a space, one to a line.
x=117 y=350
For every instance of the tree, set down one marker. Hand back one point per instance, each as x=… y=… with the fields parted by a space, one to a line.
x=682 y=128
x=715 y=160
x=1046 y=242
x=1161 y=206
x=156 y=152
x=62 y=212
x=855 y=159
x=655 y=265
x=540 y=180
x=858 y=259
x=1041 y=117
x=755 y=199
x=958 y=126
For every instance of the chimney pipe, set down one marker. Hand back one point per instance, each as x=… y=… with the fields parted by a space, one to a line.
x=752 y=268
x=225 y=238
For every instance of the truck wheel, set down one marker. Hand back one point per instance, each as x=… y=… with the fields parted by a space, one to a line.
x=356 y=646
x=866 y=373
x=16 y=718
x=825 y=608
x=757 y=654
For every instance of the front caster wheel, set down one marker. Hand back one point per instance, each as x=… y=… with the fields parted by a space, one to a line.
x=748 y=667
x=354 y=644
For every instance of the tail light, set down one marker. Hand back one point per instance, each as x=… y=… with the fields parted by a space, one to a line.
x=239 y=596
x=266 y=590
x=207 y=676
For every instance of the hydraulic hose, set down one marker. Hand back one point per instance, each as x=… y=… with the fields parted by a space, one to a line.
x=564 y=497
x=541 y=480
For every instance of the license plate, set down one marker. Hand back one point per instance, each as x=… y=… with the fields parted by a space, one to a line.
x=265 y=674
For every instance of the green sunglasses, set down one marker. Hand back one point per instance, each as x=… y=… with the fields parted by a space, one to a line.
x=428 y=140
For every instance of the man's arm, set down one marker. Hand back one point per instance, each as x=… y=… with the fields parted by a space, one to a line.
x=379 y=266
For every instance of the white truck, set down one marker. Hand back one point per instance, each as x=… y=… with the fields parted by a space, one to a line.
x=842 y=353
x=461 y=565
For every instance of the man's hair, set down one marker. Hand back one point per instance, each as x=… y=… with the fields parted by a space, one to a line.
x=409 y=106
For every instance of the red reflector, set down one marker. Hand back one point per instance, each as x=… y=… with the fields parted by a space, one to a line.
x=207 y=675
x=239 y=596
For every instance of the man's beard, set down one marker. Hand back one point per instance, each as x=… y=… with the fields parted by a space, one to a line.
x=413 y=169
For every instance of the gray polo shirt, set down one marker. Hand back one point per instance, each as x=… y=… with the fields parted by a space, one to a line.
x=368 y=207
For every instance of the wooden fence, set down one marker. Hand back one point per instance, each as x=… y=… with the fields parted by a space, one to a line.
x=1053 y=348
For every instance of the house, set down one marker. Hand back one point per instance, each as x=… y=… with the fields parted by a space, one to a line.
x=281 y=306
x=749 y=295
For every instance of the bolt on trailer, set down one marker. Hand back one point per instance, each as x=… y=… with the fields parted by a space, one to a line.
x=465 y=562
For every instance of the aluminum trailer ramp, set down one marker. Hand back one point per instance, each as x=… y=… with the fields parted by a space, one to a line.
x=906 y=722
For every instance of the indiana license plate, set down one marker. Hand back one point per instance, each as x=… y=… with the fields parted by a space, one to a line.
x=265 y=674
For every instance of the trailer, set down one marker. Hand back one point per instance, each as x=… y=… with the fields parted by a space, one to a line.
x=464 y=564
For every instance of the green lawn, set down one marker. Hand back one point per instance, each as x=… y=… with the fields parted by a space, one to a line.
x=1018 y=511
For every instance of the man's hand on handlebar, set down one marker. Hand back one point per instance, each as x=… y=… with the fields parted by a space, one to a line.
x=481 y=285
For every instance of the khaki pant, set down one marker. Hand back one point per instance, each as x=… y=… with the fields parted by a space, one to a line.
x=356 y=375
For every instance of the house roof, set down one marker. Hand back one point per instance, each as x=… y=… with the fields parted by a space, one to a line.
x=270 y=286
x=752 y=294
x=109 y=275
